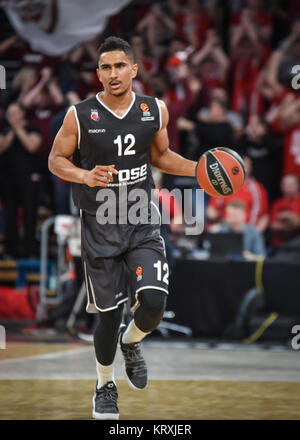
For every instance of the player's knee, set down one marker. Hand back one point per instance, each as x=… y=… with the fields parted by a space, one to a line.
x=151 y=310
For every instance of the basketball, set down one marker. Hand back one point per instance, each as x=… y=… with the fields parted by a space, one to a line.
x=220 y=172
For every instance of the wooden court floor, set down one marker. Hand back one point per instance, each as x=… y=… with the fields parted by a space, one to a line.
x=162 y=400
x=166 y=399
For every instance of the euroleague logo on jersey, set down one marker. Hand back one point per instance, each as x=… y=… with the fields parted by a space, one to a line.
x=94 y=115
x=144 y=107
x=146 y=112
x=139 y=273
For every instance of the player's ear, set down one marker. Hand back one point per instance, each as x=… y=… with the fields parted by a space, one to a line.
x=134 y=71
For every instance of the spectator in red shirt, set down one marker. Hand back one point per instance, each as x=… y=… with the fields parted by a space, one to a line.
x=284 y=118
x=178 y=98
x=42 y=102
x=252 y=193
x=148 y=65
x=248 y=56
x=193 y=23
x=157 y=26
x=252 y=16
x=250 y=33
x=212 y=62
x=285 y=213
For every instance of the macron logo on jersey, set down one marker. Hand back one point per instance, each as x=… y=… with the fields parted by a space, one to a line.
x=97 y=130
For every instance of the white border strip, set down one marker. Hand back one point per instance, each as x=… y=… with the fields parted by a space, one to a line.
x=112 y=112
x=78 y=126
x=159 y=112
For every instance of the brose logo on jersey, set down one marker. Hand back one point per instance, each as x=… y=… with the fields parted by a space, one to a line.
x=129 y=176
x=132 y=173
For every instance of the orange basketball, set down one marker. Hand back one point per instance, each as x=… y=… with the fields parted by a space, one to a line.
x=220 y=172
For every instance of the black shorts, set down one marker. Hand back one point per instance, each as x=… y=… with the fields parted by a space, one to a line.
x=110 y=281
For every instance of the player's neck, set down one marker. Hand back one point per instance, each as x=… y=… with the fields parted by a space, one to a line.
x=118 y=104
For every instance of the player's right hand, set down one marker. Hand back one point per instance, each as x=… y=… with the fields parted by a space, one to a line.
x=101 y=175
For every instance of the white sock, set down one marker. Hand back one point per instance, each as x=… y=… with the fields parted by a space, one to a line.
x=133 y=334
x=105 y=374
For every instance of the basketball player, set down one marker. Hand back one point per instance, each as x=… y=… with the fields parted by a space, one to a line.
x=114 y=138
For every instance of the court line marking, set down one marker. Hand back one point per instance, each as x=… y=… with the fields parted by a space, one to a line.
x=55 y=355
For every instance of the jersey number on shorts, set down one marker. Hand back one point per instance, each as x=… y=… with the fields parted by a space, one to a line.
x=128 y=139
x=165 y=268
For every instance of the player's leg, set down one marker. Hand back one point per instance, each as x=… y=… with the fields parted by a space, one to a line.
x=150 y=269
x=105 y=343
x=104 y=279
x=105 y=399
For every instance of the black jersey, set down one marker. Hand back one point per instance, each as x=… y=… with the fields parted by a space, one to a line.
x=105 y=138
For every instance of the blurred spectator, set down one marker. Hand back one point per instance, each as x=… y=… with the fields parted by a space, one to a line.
x=285 y=213
x=235 y=221
x=148 y=65
x=250 y=33
x=192 y=22
x=212 y=62
x=82 y=81
x=42 y=102
x=158 y=27
x=84 y=56
x=178 y=98
x=14 y=47
x=19 y=143
x=284 y=117
x=254 y=196
x=220 y=95
x=287 y=55
x=22 y=82
x=212 y=127
x=251 y=20
x=258 y=144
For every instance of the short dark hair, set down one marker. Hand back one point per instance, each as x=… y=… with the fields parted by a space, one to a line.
x=115 y=43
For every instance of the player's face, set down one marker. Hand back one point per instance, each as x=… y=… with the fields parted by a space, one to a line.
x=116 y=72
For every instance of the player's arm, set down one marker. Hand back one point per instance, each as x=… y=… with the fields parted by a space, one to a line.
x=64 y=146
x=165 y=159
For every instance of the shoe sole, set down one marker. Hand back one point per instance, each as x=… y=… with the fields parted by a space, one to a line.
x=106 y=416
x=129 y=381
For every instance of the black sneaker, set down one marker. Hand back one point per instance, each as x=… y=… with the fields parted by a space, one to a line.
x=135 y=366
x=105 y=402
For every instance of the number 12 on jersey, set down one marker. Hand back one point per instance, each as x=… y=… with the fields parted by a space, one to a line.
x=128 y=139
x=159 y=269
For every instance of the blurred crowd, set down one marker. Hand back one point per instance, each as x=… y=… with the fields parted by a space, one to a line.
x=227 y=71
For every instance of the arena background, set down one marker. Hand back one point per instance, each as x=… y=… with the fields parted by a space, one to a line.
x=229 y=72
